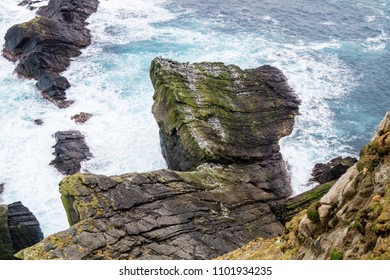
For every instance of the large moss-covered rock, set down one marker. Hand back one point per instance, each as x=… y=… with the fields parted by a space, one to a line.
x=212 y=112
x=220 y=128
x=353 y=218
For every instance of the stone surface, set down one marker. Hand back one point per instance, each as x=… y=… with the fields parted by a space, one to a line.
x=353 y=217
x=325 y=172
x=38 y=121
x=45 y=45
x=221 y=200
x=18 y=229
x=81 y=118
x=70 y=150
x=1 y=188
x=211 y=112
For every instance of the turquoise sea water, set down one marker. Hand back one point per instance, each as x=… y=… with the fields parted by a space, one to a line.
x=334 y=53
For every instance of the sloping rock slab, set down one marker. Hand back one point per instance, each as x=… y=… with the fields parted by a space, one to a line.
x=70 y=151
x=18 y=229
x=163 y=214
x=45 y=45
x=212 y=112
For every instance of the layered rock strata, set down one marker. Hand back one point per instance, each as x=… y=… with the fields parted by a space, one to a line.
x=352 y=221
x=45 y=45
x=70 y=150
x=219 y=128
x=18 y=229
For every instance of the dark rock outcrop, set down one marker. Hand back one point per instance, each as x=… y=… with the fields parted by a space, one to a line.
x=70 y=151
x=1 y=188
x=81 y=118
x=18 y=229
x=45 y=45
x=219 y=202
x=325 y=172
x=38 y=121
x=30 y=4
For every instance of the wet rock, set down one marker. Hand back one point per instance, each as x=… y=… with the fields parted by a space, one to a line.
x=18 y=229
x=38 y=121
x=70 y=151
x=81 y=118
x=332 y=170
x=45 y=45
x=31 y=4
x=1 y=188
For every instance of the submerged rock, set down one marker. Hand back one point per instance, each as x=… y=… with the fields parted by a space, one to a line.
x=70 y=151
x=81 y=118
x=352 y=221
x=220 y=201
x=45 y=45
x=18 y=229
x=325 y=172
x=38 y=121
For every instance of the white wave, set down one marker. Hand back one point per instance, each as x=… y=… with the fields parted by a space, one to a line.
x=377 y=43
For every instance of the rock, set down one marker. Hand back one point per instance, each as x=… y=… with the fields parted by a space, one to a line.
x=210 y=112
x=45 y=45
x=219 y=196
x=70 y=151
x=332 y=170
x=81 y=118
x=30 y=4
x=38 y=121
x=1 y=188
x=18 y=229
x=353 y=217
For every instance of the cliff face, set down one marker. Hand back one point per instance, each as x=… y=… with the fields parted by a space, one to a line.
x=211 y=116
x=352 y=221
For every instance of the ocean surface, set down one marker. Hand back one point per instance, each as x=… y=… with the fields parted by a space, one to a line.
x=335 y=54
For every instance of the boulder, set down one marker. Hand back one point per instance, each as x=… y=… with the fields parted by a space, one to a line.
x=81 y=118
x=325 y=172
x=45 y=45
x=70 y=151
x=18 y=229
x=218 y=195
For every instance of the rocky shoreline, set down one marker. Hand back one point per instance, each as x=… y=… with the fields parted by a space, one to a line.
x=226 y=184
x=44 y=46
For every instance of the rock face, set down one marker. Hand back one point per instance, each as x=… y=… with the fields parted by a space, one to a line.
x=70 y=151
x=18 y=229
x=211 y=112
x=220 y=201
x=325 y=172
x=352 y=221
x=45 y=45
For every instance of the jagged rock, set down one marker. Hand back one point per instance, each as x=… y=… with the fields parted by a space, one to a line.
x=18 y=229
x=81 y=118
x=210 y=112
x=70 y=151
x=353 y=218
x=38 y=121
x=30 y=4
x=45 y=45
x=219 y=203
x=325 y=172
